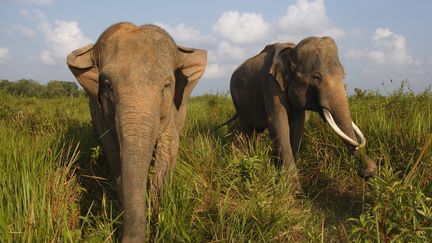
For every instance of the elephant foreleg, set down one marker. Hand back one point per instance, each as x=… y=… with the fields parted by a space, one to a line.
x=107 y=135
x=279 y=132
x=296 y=124
x=165 y=157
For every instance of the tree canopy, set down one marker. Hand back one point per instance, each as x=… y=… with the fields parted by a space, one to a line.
x=32 y=88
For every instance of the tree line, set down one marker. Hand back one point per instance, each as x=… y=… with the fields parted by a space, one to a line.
x=32 y=88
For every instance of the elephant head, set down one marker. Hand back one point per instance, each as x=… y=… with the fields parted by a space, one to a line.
x=141 y=80
x=313 y=78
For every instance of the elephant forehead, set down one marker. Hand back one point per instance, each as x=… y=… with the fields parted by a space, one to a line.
x=139 y=53
x=149 y=45
x=324 y=60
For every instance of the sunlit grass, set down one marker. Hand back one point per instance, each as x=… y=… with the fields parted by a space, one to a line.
x=55 y=186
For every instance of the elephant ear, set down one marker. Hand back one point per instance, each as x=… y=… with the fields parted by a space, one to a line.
x=192 y=63
x=81 y=64
x=281 y=63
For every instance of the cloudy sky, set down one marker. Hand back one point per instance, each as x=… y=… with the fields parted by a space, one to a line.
x=378 y=41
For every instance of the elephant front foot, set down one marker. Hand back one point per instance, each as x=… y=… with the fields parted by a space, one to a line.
x=134 y=238
x=294 y=179
x=295 y=185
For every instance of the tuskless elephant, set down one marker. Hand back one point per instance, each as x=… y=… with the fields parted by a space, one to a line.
x=138 y=81
x=274 y=89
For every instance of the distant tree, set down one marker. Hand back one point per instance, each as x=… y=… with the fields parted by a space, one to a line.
x=4 y=83
x=71 y=88
x=29 y=87
x=359 y=93
x=53 y=88
x=56 y=88
x=25 y=87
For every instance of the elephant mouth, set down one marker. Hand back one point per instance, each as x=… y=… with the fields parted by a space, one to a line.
x=329 y=118
x=321 y=113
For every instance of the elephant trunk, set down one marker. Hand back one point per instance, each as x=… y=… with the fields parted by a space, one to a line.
x=137 y=126
x=328 y=116
x=337 y=114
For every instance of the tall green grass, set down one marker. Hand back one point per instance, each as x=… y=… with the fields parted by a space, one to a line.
x=41 y=190
x=55 y=186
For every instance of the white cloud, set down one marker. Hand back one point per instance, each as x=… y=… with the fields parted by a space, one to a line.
x=214 y=70
x=62 y=37
x=241 y=28
x=389 y=49
x=307 y=18
x=241 y=34
x=184 y=33
x=47 y=58
x=34 y=14
x=4 y=55
x=24 y=31
x=36 y=2
x=226 y=51
x=354 y=53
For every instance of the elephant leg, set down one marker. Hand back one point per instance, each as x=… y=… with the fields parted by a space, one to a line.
x=107 y=135
x=165 y=158
x=280 y=135
x=251 y=132
x=296 y=124
x=246 y=129
x=279 y=132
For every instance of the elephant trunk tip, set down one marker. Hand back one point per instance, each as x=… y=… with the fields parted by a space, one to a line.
x=367 y=167
x=368 y=170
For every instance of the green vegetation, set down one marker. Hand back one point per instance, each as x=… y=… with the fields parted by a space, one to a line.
x=54 y=185
x=31 y=88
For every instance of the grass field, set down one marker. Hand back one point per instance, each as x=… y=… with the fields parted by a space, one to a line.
x=54 y=185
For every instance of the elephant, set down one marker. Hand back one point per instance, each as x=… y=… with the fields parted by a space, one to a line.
x=274 y=88
x=138 y=80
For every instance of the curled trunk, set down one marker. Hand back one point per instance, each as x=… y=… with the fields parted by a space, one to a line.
x=338 y=115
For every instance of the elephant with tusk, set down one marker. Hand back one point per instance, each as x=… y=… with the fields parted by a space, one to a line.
x=274 y=89
x=138 y=81
x=329 y=118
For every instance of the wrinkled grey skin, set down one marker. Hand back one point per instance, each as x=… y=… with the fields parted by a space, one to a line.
x=274 y=89
x=138 y=82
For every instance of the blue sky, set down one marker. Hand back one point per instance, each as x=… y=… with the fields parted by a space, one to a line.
x=378 y=41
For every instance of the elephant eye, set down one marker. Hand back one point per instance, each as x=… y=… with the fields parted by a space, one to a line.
x=108 y=84
x=316 y=76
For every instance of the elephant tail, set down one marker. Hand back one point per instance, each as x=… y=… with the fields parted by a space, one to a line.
x=226 y=123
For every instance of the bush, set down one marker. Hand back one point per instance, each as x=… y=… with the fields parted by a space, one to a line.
x=400 y=211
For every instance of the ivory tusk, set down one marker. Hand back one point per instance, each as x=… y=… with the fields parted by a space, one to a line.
x=335 y=127
x=360 y=134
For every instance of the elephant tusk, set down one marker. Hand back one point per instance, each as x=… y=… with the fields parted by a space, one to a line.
x=360 y=134
x=335 y=127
